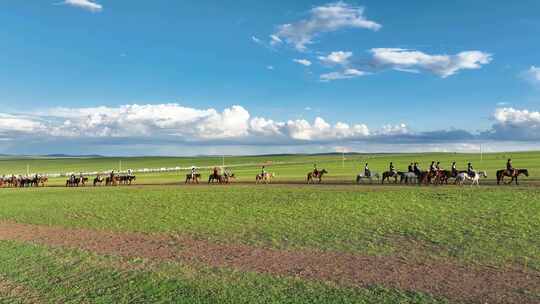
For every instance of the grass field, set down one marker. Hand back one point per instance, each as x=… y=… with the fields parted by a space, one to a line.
x=286 y=168
x=261 y=244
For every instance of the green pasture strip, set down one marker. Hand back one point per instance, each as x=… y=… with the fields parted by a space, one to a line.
x=69 y=276
x=291 y=167
x=490 y=225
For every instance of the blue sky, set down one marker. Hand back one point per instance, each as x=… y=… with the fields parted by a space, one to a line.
x=188 y=77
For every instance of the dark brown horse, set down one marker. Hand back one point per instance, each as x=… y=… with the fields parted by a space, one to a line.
x=388 y=174
x=514 y=175
x=311 y=177
x=114 y=181
x=215 y=177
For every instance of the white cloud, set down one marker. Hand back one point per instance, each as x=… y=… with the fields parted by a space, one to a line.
x=85 y=4
x=346 y=74
x=255 y=39
x=336 y=58
x=303 y=62
x=513 y=124
x=323 y=19
x=270 y=67
x=321 y=130
x=532 y=75
x=170 y=124
x=18 y=123
x=441 y=65
x=148 y=120
x=393 y=130
x=274 y=40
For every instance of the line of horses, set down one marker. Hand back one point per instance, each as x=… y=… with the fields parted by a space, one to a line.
x=226 y=178
x=115 y=180
x=441 y=177
x=23 y=181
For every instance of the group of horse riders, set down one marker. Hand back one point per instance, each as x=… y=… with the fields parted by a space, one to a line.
x=435 y=167
x=24 y=180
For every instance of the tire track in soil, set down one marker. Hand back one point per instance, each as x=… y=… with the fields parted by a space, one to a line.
x=448 y=279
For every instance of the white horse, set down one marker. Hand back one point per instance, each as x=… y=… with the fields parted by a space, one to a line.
x=475 y=180
x=264 y=178
x=362 y=176
x=410 y=178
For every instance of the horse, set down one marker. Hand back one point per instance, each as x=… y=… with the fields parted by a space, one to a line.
x=42 y=180
x=193 y=178
x=75 y=182
x=264 y=178
x=214 y=177
x=98 y=180
x=362 y=176
x=228 y=177
x=127 y=179
x=475 y=180
x=386 y=176
x=311 y=177
x=443 y=176
x=425 y=177
x=13 y=181
x=516 y=172
x=408 y=177
x=112 y=181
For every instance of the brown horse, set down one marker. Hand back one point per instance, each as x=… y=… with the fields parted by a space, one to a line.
x=112 y=181
x=41 y=181
x=214 y=177
x=514 y=175
x=311 y=177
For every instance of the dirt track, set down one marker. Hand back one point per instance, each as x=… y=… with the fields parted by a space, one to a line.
x=449 y=279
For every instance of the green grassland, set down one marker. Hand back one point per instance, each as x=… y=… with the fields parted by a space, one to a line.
x=493 y=226
x=286 y=167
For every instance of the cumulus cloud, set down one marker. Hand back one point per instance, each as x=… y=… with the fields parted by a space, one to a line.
x=513 y=124
x=441 y=65
x=336 y=58
x=323 y=19
x=85 y=4
x=10 y=124
x=303 y=62
x=345 y=74
x=532 y=75
x=148 y=120
x=170 y=124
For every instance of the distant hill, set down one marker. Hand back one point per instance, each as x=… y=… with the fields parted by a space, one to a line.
x=73 y=156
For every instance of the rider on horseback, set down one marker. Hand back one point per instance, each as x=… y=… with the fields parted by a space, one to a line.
x=315 y=171
x=367 y=172
x=438 y=166
x=411 y=168
x=509 y=167
x=193 y=172
x=416 y=169
x=454 y=169
x=432 y=167
x=392 y=169
x=470 y=170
